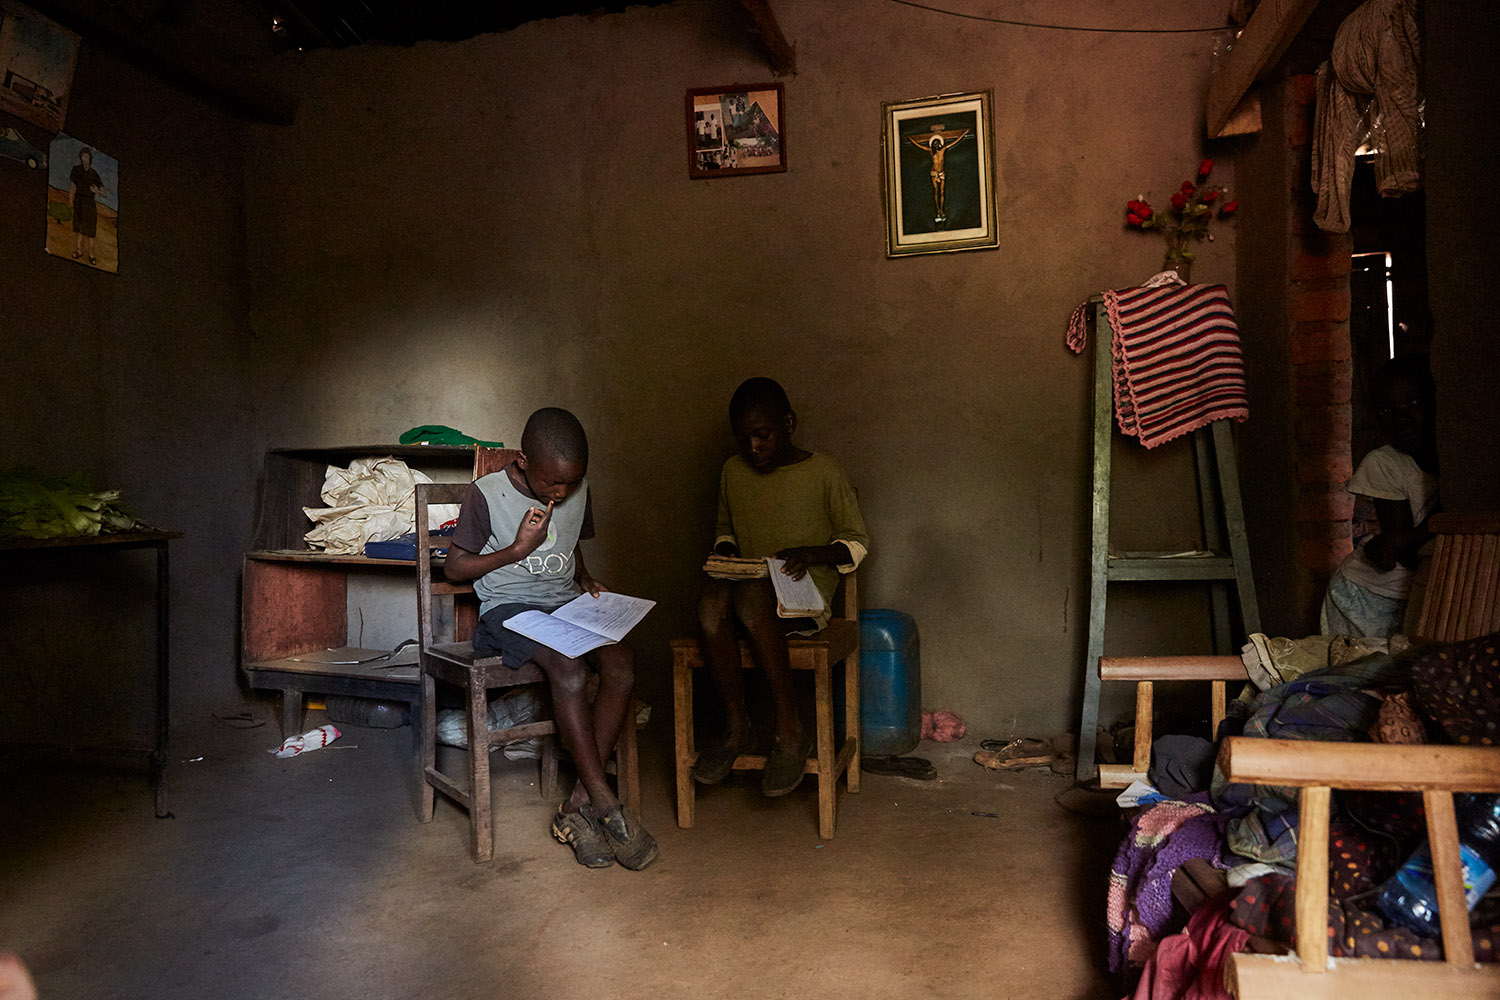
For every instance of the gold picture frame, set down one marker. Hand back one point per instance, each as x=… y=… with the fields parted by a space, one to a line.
x=939 y=175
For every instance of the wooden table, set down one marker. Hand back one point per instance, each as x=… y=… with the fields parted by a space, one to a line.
x=131 y=540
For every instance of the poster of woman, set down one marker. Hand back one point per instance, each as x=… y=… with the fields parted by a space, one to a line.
x=83 y=204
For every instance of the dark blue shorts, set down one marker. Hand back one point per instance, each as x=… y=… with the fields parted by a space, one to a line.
x=491 y=635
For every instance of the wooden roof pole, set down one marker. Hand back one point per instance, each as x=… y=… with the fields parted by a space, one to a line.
x=781 y=54
x=1271 y=29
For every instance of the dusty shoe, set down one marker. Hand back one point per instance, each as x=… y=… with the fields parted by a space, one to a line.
x=634 y=847
x=580 y=831
x=785 y=768
x=714 y=764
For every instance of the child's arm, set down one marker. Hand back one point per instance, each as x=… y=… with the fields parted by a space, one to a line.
x=463 y=565
x=800 y=558
x=725 y=544
x=1399 y=539
x=581 y=576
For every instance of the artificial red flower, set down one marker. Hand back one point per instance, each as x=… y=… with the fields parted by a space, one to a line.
x=1187 y=187
x=1210 y=196
x=1135 y=220
x=1228 y=209
x=1179 y=199
x=1204 y=168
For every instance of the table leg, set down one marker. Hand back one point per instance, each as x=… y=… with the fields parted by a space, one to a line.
x=163 y=681
x=291 y=713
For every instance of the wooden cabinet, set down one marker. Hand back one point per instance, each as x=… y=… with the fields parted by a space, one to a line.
x=296 y=610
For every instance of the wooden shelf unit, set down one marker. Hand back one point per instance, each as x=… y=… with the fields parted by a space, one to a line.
x=295 y=601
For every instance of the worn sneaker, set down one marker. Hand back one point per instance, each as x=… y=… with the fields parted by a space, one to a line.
x=634 y=847
x=580 y=831
x=785 y=768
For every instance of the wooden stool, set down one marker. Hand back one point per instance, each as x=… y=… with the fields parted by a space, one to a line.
x=818 y=653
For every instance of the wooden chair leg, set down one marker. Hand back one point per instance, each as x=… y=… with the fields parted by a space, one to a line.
x=481 y=836
x=1141 y=760
x=851 y=717
x=627 y=763
x=427 y=759
x=548 y=783
x=682 y=711
x=827 y=777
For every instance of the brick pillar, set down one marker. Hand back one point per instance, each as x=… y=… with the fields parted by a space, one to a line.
x=1318 y=307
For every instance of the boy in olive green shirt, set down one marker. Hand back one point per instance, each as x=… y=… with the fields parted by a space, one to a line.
x=775 y=499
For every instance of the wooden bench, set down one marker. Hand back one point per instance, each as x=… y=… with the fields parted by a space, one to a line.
x=1317 y=768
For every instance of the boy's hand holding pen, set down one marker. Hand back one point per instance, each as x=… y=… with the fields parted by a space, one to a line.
x=533 y=529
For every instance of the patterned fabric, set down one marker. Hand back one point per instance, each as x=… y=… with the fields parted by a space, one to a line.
x=1265 y=907
x=1456 y=687
x=1177 y=362
x=1398 y=815
x=1357 y=860
x=1140 y=882
x=1398 y=721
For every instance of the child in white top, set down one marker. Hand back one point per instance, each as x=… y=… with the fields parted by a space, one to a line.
x=1367 y=595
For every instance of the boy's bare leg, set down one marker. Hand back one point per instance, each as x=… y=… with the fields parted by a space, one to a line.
x=616 y=666
x=567 y=679
x=721 y=650
x=590 y=734
x=755 y=607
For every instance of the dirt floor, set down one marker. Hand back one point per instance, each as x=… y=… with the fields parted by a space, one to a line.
x=312 y=878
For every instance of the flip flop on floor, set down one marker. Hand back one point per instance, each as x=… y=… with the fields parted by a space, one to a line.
x=903 y=767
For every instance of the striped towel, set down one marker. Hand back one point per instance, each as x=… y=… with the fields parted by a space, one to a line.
x=1177 y=363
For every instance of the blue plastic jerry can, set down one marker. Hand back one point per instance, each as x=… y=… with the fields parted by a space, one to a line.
x=890 y=683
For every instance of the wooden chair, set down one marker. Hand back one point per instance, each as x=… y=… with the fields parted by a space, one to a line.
x=1145 y=671
x=817 y=653
x=1462 y=597
x=476 y=675
x=1435 y=771
x=1461 y=601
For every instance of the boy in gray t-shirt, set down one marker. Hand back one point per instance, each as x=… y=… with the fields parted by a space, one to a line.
x=517 y=540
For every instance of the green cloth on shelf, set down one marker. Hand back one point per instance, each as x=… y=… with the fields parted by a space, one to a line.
x=438 y=434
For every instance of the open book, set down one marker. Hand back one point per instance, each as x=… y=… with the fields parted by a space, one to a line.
x=584 y=623
x=794 y=598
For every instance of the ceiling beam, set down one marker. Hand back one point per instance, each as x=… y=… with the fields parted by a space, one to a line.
x=1271 y=29
x=781 y=54
x=175 y=55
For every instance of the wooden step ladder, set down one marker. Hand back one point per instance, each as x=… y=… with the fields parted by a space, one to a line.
x=1222 y=517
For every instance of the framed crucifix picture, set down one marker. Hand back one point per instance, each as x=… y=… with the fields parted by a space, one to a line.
x=938 y=167
x=736 y=130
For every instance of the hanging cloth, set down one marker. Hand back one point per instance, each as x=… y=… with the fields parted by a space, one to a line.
x=1177 y=361
x=1368 y=88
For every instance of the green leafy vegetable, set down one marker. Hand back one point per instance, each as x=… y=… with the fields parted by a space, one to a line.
x=35 y=505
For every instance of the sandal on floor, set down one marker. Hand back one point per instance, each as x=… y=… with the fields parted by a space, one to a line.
x=902 y=767
x=1008 y=754
x=785 y=768
x=580 y=831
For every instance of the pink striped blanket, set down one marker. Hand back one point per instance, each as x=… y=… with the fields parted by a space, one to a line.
x=1177 y=363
